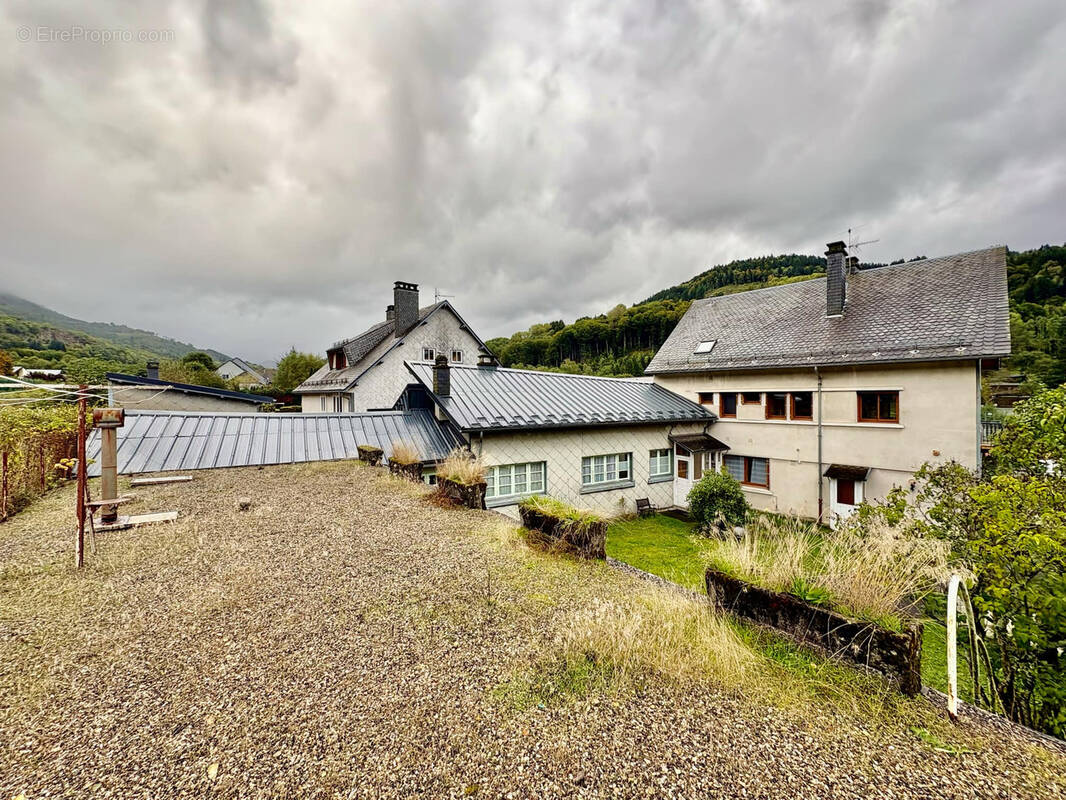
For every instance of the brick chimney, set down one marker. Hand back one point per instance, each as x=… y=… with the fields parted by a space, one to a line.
x=835 y=278
x=405 y=306
x=152 y=370
x=442 y=376
x=390 y=313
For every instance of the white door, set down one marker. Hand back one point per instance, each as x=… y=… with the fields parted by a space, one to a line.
x=844 y=496
x=682 y=476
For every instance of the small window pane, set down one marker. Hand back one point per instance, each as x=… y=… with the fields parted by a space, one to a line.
x=760 y=471
x=868 y=405
x=802 y=405
x=427 y=354
x=751 y=398
x=889 y=406
x=728 y=407
x=776 y=405
x=734 y=465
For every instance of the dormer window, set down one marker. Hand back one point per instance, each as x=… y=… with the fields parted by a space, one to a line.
x=705 y=347
x=337 y=360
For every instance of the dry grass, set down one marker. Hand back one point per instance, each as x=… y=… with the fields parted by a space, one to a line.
x=462 y=466
x=873 y=572
x=344 y=638
x=404 y=453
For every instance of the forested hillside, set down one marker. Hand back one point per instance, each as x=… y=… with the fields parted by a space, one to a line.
x=131 y=339
x=622 y=341
x=83 y=358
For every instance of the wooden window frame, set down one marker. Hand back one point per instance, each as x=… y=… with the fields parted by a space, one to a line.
x=747 y=471
x=744 y=401
x=792 y=406
x=783 y=415
x=705 y=398
x=879 y=419
x=721 y=405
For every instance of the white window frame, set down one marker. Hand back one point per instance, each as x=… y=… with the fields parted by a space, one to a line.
x=428 y=354
x=655 y=463
x=610 y=470
x=521 y=480
x=458 y=353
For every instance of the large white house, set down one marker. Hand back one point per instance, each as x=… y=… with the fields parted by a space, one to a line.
x=834 y=390
x=366 y=372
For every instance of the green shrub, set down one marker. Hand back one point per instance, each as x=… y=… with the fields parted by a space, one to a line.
x=717 y=496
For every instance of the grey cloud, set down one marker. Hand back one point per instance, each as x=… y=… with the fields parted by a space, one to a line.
x=260 y=181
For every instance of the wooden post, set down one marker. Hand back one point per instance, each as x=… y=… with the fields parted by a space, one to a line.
x=79 y=554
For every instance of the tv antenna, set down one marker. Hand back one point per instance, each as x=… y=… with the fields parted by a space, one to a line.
x=853 y=245
x=437 y=296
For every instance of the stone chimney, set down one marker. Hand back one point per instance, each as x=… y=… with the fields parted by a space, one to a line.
x=835 y=278
x=405 y=306
x=153 y=370
x=390 y=313
x=442 y=376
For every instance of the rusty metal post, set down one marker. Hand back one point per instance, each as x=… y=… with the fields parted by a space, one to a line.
x=108 y=420
x=79 y=551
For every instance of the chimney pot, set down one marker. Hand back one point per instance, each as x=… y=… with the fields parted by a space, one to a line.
x=390 y=312
x=442 y=377
x=405 y=306
x=836 y=256
x=152 y=370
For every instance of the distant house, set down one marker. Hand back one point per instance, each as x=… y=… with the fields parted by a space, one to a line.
x=246 y=376
x=833 y=391
x=367 y=373
x=600 y=443
x=153 y=394
x=36 y=373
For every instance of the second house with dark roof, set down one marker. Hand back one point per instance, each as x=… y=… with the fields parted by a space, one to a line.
x=835 y=390
x=367 y=373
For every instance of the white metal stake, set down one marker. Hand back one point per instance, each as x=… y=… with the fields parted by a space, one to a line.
x=952 y=648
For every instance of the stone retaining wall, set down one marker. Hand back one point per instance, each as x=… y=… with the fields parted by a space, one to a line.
x=413 y=472
x=471 y=495
x=896 y=655
x=587 y=541
x=370 y=454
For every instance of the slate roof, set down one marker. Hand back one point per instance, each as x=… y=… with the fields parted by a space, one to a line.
x=953 y=307
x=492 y=398
x=359 y=347
x=188 y=388
x=160 y=441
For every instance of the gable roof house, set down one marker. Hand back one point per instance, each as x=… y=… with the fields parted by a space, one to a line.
x=366 y=372
x=244 y=373
x=600 y=443
x=834 y=390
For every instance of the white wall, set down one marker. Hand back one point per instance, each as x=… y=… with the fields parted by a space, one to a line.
x=938 y=421
x=563 y=451
x=382 y=386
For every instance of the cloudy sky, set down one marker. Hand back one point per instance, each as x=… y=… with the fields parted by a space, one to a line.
x=254 y=175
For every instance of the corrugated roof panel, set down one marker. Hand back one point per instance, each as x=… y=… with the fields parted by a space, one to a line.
x=152 y=441
x=499 y=399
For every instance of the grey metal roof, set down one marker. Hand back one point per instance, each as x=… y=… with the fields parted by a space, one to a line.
x=491 y=398
x=359 y=347
x=160 y=441
x=188 y=388
x=953 y=307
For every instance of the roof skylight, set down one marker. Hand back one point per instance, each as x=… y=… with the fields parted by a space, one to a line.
x=706 y=347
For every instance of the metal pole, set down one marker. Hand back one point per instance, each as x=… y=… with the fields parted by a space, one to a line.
x=821 y=480
x=952 y=648
x=79 y=555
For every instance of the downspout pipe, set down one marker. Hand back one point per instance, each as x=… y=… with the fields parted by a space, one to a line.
x=821 y=482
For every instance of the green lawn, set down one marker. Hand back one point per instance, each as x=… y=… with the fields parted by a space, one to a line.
x=658 y=544
x=663 y=546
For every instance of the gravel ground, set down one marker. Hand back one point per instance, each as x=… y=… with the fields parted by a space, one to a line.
x=347 y=638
